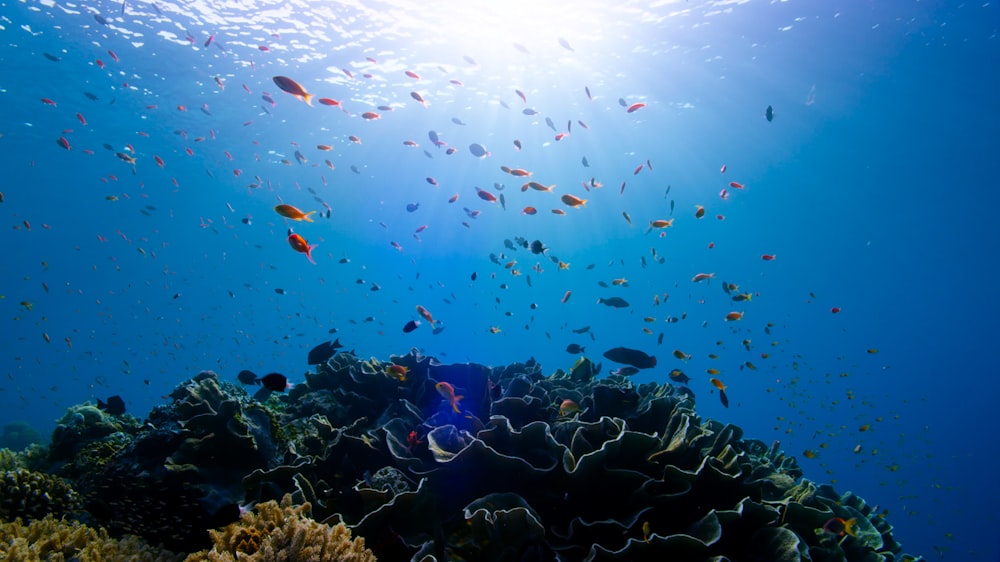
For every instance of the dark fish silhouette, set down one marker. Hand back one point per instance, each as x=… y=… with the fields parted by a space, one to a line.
x=634 y=357
x=616 y=302
x=323 y=352
x=115 y=405
x=247 y=377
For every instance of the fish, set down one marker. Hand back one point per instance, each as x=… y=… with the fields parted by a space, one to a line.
x=702 y=277
x=323 y=352
x=486 y=195
x=633 y=357
x=299 y=244
x=564 y=43
x=681 y=355
x=734 y=316
x=568 y=407
x=573 y=201
x=614 y=302
x=370 y=115
x=290 y=212
x=679 y=376
x=478 y=150
x=635 y=107
x=769 y=114
x=397 y=372
x=292 y=87
x=447 y=391
x=574 y=348
x=625 y=371
x=840 y=527
x=115 y=406
x=247 y=377
x=410 y=326
x=275 y=382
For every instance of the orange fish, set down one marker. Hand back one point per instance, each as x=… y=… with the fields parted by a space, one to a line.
x=328 y=101
x=299 y=244
x=290 y=212
x=448 y=392
x=717 y=384
x=529 y=211
x=702 y=277
x=699 y=211
x=573 y=201
x=292 y=87
x=370 y=115
x=735 y=185
x=661 y=223
x=634 y=107
x=397 y=372
x=734 y=316
x=519 y=172
x=537 y=186
x=568 y=408
x=426 y=314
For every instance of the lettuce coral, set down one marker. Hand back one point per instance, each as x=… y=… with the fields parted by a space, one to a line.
x=275 y=532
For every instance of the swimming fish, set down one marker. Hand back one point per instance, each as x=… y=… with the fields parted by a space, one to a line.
x=294 y=213
x=294 y=88
x=299 y=244
x=115 y=405
x=324 y=351
x=634 y=357
x=615 y=302
x=448 y=392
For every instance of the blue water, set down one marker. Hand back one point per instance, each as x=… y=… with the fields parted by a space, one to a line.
x=872 y=187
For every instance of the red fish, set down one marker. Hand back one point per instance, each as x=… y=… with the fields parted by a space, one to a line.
x=79 y=116
x=561 y=136
x=486 y=195
x=47 y=101
x=299 y=244
x=64 y=143
x=159 y=161
x=370 y=115
x=735 y=185
x=328 y=101
x=768 y=257
x=635 y=107
x=529 y=211
x=413 y=75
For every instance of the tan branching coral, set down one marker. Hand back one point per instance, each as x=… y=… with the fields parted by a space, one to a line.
x=279 y=533
x=56 y=540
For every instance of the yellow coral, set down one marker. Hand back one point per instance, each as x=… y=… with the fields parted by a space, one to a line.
x=278 y=533
x=56 y=540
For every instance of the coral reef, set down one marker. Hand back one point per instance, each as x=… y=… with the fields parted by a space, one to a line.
x=273 y=533
x=521 y=466
x=55 y=540
x=33 y=495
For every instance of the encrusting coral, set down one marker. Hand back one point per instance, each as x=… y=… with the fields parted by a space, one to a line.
x=56 y=540
x=273 y=533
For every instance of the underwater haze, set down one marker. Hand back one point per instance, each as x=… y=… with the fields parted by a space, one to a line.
x=792 y=201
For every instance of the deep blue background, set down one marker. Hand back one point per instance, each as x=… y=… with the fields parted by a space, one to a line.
x=878 y=198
